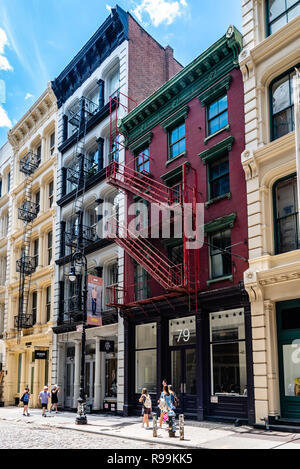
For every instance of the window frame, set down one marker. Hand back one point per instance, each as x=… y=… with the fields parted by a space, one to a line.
x=272 y=130
x=285 y=12
x=176 y=126
x=145 y=349
x=214 y=161
x=208 y=120
x=276 y=219
x=48 y=303
x=49 y=247
x=210 y=236
x=52 y=147
x=51 y=194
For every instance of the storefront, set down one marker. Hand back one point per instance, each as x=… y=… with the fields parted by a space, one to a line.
x=101 y=369
x=206 y=356
x=288 y=325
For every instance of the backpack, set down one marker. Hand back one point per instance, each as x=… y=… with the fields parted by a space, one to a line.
x=148 y=402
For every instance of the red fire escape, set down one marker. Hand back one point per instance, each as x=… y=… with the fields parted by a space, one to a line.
x=175 y=279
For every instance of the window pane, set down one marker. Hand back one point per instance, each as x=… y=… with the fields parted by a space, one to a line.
x=227 y=326
x=278 y=24
x=276 y=8
x=145 y=367
x=214 y=126
x=223 y=120
x=223 y=104
x=281 y=95
x=220 y=260
x=294 y=12
x=291 y=370
x=286 y=198
x=229 y=370
x=182 y=331
x=220 y=187
x=191 y=372
x=145 y=336
x=288 y=237
x=283 y=123
x=213 y=110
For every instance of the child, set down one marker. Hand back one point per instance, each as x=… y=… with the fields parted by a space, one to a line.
x=147 y=406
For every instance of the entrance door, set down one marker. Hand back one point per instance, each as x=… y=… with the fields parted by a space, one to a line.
x=289 y=358
x=69 y=396
x=183 y=378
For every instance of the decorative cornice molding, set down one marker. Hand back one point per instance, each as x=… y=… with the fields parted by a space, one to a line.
x=143 y=142
x=215 y=91
x=218 y=149
x=220 y=223
x=173 y=120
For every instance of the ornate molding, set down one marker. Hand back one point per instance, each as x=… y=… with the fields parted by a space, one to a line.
x=215 y=91
x=217 y=150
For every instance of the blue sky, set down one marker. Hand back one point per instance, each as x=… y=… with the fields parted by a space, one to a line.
x=38 y=38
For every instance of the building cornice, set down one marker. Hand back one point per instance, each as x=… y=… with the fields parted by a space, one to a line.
x=112 y=33
x=41 y=111
x=211 y=66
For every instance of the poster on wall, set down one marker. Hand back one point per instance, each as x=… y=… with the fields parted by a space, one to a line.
x=94 y=301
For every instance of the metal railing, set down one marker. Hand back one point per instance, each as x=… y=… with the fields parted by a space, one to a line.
x=30 y=163
x=26 y=265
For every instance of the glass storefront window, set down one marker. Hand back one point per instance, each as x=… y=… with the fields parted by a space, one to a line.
x=146 y=358
x=111 y=377
x=228 y=353
x=182 y=331
x=291 y=368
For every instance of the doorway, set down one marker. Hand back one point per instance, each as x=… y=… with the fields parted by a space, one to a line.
x=183 y=378
x=69 y=396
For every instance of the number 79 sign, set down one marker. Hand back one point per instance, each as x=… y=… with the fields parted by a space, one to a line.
x=185 y=335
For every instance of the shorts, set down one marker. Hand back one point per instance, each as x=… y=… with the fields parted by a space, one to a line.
x=54 y=401
x=44 y=406
x=147 y=411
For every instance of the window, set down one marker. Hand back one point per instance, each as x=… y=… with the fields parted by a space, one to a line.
x=51 y=192
x=177 y=141
x=114 y=83
x=115 y=149
x=145 y=358
x=52 y=143
x=286 y=216
x=282 y=106
x=142 y=161
x=36 y=252
x=34 y=307
x=8 y=182
x=228 y=353
x=220 y=254
x=0 y=187
x=39 y=152
x=218 y=178
x=140 y=283
x=93 y=162
x=50 y=247
x=37 y=198
x=217 y=115
x=48 y=303
x=281 y=12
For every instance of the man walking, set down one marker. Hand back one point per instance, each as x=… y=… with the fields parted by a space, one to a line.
x=44 y=398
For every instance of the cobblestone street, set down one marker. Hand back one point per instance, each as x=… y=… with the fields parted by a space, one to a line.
x=22 y=435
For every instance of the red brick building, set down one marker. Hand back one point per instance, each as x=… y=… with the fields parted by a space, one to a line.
x=186 y=313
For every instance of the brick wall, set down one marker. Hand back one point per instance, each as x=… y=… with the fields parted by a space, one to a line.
x=150 y=64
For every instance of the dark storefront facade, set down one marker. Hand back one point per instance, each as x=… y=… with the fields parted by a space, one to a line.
x=206 y=355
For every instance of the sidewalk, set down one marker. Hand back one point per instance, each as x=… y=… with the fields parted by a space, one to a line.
x=204 y=435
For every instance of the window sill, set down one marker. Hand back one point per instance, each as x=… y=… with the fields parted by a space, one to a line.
x=175 y=158
x=220 y=279
x=217 y=199
x=226 y=128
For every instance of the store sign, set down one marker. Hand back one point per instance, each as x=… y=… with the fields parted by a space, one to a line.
x=40 y=354
x=94 y=301
x=107 y=346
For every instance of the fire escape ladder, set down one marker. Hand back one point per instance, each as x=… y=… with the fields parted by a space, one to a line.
x=167 y=274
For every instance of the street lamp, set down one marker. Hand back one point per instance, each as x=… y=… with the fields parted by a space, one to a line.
x=79 y=261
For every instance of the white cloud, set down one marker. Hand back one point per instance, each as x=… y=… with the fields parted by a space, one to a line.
x=28 y=96
x=4 y=64
x=161 y=11
x=3 y=40
x=108 y=7
x=4 y=119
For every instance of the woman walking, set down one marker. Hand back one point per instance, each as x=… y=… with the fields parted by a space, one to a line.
x=162 y=404
x=25 y=399
x=54 y=398
x=169 y=399
x=145 y=399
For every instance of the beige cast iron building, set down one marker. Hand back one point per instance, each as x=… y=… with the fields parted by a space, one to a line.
x=271 y=53
x=31 y=196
